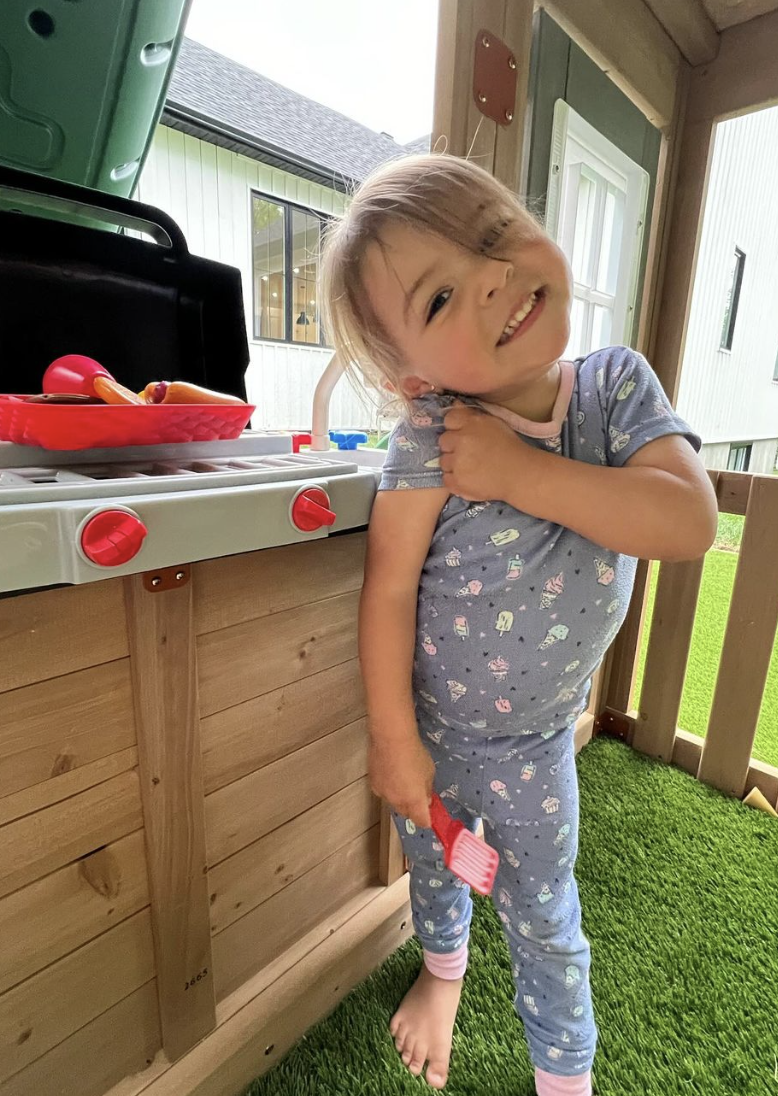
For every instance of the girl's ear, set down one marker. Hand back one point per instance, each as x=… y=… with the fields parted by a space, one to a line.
x=414 y=387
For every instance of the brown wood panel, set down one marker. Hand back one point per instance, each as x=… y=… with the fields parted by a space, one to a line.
x=256 y=873
x=42 y=842
x=164 y=673
x=250 y=943
x=687 y=753
x=247 y=660
x=732 y=490
x=690 y=27
x=629 y=43
x=49 y=792
x=244 y=811
x=391 y=860
x=55 y=632
x=748 y=645
x=744 y=74
x=93 y=718
x=118 y=1043
x=234 y=589
x=510 y=141
x=620 y=664
x=46 y=920
x=259 y=1022
x=672 y=624
x=45 y=1009
x=238 y=740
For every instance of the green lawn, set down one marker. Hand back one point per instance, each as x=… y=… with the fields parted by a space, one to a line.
x=715 y=594
x=680 y=905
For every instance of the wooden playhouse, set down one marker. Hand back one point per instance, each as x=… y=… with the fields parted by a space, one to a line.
x=182 y=748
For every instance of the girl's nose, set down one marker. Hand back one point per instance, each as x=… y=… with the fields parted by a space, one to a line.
x=495 y=276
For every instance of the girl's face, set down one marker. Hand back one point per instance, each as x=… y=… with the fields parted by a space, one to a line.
x=469 y=323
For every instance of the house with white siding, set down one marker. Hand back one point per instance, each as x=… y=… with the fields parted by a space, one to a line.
x=729 y=381
x=251 y=170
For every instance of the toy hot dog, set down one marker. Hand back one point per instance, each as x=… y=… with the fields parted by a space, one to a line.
x=183 y=392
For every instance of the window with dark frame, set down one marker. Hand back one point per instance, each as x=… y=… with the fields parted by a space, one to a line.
x=733 y=299
x=739 y=458
x=286 y=242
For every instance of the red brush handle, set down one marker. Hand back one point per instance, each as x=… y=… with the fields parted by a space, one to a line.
x=443 y=824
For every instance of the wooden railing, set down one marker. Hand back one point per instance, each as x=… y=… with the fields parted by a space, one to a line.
x=723 y=758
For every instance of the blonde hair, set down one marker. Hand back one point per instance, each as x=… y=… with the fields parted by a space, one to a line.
x=436 y=193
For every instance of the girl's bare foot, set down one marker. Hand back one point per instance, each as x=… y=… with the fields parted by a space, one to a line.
x=424 y=1024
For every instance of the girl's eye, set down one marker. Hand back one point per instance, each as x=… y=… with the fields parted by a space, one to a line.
x=438 y=302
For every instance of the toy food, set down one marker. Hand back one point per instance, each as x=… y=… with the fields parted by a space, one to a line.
x=184 y=392
x=73 y=373
x=111 y=391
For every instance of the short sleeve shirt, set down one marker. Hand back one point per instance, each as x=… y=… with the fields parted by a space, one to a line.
x=515 y=613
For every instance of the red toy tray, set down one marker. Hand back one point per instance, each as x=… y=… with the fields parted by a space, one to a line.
x=110 y=426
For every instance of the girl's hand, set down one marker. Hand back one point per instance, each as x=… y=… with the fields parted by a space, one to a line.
x=402 y=773
x=480 y=455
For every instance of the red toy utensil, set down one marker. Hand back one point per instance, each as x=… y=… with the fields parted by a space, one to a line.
x=471 y=859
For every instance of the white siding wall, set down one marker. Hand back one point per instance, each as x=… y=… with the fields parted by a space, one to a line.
x=731 y=396
x=207 y=192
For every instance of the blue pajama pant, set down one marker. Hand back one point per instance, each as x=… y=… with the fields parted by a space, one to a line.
x=525 y=789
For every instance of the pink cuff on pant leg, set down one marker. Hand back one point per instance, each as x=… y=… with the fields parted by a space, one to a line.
x=550 y=1084
x=449 y=965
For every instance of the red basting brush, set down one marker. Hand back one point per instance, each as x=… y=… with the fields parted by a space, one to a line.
x=471 y=859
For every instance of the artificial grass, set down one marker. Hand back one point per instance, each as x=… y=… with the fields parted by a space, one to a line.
x=707 y=641
x=678 y=887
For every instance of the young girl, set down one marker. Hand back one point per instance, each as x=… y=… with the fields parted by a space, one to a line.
x=517 y=491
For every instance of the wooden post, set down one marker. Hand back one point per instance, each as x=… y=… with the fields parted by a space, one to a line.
x=391 y=862
x=162 y=653
x=748 y=645
x=668 y=654
x=458 y=124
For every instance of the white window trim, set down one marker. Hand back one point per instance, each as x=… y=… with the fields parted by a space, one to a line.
x=570 y=129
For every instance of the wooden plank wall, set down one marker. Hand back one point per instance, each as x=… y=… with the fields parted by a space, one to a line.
x=290 y=829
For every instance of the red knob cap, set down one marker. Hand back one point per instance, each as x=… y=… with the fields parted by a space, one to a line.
x=311 y=510
x=112 y=537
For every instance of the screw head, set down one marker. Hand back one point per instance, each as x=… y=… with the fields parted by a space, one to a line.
x=511 y=62
x=508 y=115
x=481 y=97
x=179 y=575
x=156 y=580
x=485 y=42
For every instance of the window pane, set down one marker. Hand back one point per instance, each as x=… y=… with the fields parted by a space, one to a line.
x=269 y=269
x=586 y=208
x=305 y=262
x=610 y=241
x=575 y=346
x=601 y=328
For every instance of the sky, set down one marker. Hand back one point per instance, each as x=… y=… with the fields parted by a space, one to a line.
x=373 y=60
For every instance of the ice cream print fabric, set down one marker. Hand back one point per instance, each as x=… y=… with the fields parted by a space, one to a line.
x=525 y=791
x=514 y=613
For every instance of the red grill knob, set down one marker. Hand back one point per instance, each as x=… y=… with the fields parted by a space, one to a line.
x=311 y=510
x=112 y=537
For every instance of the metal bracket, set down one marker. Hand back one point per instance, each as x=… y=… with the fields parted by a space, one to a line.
x=166 y=578
x=495 y=77
x=614 y=724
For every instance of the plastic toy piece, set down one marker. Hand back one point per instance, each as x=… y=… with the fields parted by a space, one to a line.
x=112 y=392
x=298 y=440
x=347 y=440
x=112 y=537
x=74 y=373
x=184 y=392
x=472 y=860
x=311 y=510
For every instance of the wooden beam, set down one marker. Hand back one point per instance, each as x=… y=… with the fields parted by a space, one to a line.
x=458 y=125
x=629 y=43
x=744 y=75
x=748 y=645
x=726 y=13
x=688 y=24
x=161 y=636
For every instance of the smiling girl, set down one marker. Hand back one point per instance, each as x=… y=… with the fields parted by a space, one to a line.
x=517 y=492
